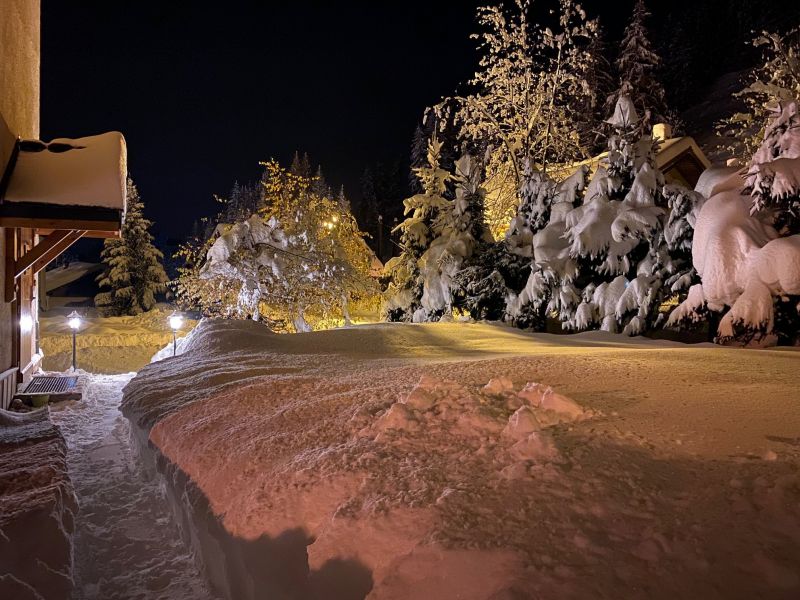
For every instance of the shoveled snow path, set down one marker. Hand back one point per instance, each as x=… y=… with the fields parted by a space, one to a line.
x=126 y=543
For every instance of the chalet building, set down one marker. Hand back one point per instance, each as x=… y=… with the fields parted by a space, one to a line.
x=51 y=193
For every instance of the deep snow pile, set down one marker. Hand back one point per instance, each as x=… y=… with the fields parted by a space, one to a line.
x=381 y=461
x=747 y=244
x=37 y=509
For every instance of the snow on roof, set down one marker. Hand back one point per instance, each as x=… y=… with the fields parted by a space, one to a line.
x=670 y=149
x=86 y=172
x=60 y=276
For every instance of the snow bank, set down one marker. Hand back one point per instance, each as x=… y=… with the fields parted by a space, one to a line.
x=37 y=509
x=438 y=461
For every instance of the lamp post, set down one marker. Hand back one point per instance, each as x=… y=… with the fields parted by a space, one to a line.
x=380 y=238
x=74 y=322
x=175 y=322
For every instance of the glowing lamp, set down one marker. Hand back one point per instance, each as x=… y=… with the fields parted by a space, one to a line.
x=25 y=323
x=175 y=322
x=74 y=321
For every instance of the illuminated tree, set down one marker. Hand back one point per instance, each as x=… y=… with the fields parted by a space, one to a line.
x=530 y=89
x=133 y=271
x=611 y=252
x=299 y=262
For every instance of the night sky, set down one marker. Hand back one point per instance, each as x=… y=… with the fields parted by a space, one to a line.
x=202 y=94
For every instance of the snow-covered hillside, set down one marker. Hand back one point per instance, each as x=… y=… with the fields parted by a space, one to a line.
x=476 y=461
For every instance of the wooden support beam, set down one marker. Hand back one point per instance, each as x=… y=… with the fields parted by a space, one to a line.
x=56 y=250
x=9 y=285
x=46 y=223
x=89 y=234
x=24 y=262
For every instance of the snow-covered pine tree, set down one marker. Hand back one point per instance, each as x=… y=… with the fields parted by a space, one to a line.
x=603 y=264
x=341 y=198
x=637 y=66
x=133 y=270
x=404 y=294
x=749 y=260
x=774 y=185
x=301 y=165
x=678 y=273
x=601 y=83
x=537 y=234
x=319 y=185
x=457 y=232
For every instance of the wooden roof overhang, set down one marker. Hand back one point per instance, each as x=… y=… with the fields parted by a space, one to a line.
x=63 y=191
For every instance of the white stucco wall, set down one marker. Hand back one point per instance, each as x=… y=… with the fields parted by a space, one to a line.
x=19 y=103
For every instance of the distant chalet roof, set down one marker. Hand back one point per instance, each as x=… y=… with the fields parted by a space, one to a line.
x=76 y=184
x=680 y=159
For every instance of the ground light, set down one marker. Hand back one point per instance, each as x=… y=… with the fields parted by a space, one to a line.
x=74 y=321
x=175 y=322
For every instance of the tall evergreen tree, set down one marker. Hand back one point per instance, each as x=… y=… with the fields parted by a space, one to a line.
x=301 y=165
x=320 y=186
x=419 y=152
x=133 y=265
x=405 y=291
x=601 y=84
x=341 y=198
x=638 y=65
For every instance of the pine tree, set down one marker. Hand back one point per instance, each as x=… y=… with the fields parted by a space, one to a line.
x=611 y=261
x=457 y=231
x=638 y=65
x=133 y=270
x=600 y=81
x=416 y=231
x=301 y=165
x=369 y=201
x=419 y=149
x=320 y=186
x=341 y=198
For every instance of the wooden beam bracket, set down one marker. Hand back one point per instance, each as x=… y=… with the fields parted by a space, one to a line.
x=46 y=251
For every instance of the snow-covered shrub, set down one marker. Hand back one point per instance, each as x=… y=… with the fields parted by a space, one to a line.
x=747 y=244
x=483 y=285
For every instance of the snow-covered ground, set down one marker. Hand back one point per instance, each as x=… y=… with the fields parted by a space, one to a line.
x=422 y=461
x=106 y=344
x=126 y=544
